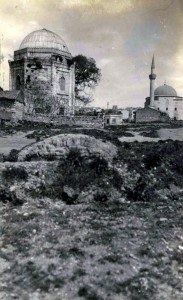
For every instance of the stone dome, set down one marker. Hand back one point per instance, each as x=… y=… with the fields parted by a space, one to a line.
x=165 y=90
x=44 y=39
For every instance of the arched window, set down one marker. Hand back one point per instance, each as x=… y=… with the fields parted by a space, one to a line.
x=18 y=82
x=28 y=79
x=62 y=83
x=61 y=110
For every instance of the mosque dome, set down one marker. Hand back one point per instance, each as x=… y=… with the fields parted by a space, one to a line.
x=165 y=90
x=44 y=39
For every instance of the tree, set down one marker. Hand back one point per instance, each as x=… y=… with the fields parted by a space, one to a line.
x=87 y=77
x=39 y=100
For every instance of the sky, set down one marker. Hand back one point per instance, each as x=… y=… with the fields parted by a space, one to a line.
x=121 y=35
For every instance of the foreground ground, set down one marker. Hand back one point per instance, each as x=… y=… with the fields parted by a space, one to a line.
x=54 y=251
x=129 y=248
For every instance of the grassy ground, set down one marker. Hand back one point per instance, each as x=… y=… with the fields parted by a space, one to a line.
x=26 y=133
x=56 y=251
x=130 y=249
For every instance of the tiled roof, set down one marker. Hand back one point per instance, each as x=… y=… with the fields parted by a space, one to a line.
x=11 y=95
x=44 y=39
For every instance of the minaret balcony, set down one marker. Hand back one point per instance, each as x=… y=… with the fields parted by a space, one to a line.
x=152 y=76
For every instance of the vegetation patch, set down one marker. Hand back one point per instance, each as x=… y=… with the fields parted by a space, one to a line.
x=77 y=173
x=152 y=133
x=12 y=156
x=13 y=173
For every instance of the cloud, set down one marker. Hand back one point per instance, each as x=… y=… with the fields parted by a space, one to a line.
x=143 y=37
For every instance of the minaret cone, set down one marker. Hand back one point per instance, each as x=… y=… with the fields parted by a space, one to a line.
x=153 y=63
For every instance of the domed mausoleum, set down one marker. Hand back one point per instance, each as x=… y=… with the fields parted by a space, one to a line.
x=43 y=70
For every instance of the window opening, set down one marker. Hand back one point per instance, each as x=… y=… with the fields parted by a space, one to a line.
x=62 y=83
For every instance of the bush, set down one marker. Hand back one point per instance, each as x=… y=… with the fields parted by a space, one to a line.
x=117 y=180
x=152 y=159
x=101 y=198
x=15 y=173
x=142 y=191
x=99 y=165
x=177 y=163
x=74 y=158
x=13 y=155
x=152 y=133
x=77 y=173
x=7 y=196
x=2 y=157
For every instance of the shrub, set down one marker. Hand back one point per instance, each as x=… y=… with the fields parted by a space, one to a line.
x=88 y=293
x=12 y=173
x=101 y=197
x=50 y=157
x=74 y=157
x=2 y=157
x=142 y=191
x=99 y=165
x=31 y=157
x=177 y=163
x=152 y=133
x=13 y=155
x=7 y=196
x=117 y=180
x=152 y=159
x=77 y=173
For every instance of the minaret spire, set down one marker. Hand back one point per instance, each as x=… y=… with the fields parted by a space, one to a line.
x=153 y=64
x=152 y=78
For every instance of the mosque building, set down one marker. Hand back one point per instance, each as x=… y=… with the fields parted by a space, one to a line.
x=162 y=104
x=43 y=70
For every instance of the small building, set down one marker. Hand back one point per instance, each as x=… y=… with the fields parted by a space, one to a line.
x=125 y=113
x=149 y=114
x=113 y=119
x=11 y=105
x=131 y=113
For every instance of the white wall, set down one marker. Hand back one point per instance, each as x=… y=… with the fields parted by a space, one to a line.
x=171 y=103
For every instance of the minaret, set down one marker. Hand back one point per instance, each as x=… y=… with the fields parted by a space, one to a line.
x=152 y=78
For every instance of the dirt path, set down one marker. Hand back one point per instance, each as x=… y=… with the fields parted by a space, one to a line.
x=14 y=141
x=164 y=134
x=173 y=134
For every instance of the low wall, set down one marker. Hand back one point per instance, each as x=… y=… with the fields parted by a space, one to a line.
x=83 y=121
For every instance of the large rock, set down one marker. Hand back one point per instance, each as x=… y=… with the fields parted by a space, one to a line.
x=60 y=145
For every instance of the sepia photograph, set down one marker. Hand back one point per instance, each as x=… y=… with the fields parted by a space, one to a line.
x=91 y=150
